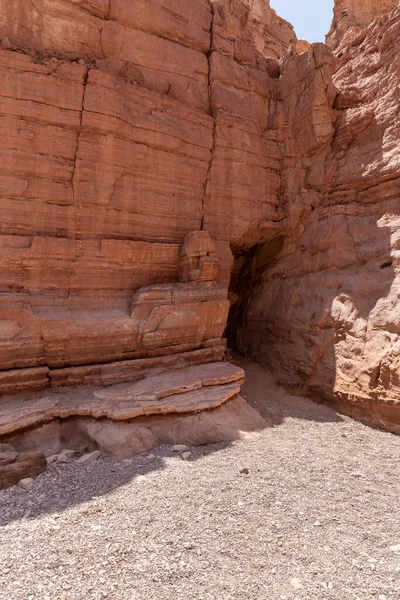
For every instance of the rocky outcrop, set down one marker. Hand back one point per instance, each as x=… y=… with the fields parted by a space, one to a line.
x=131 y=128
x=126 y=126
x=230 y=421
x=15 y=467
x=164 y=319
x=350 y=17
x=196 y=405
x=323 y=311
x=183 y=391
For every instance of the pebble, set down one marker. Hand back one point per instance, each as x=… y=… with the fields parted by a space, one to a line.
x=186 y=455
x=64 y=456
x=26 y=484
x=244 y=471
x=179 y=448
x=91 y=456
x=395 y=548
x=296 y=583
x=67 y=452
x=127 y=461
x=52 y=459
x=62 y=459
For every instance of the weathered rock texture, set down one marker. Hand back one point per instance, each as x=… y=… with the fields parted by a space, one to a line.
x=14 y=467
x=352 y=16
x=230 y=421
x=182 y=391
x=325 y=313
x=128 y=124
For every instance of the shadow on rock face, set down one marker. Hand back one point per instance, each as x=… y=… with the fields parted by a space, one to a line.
x=274 y=403
x=322 y=314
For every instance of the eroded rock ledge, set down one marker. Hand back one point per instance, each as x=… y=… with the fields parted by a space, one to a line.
x=192 y=406
x=184 y=391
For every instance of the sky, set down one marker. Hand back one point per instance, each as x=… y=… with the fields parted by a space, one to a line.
x=311 y=19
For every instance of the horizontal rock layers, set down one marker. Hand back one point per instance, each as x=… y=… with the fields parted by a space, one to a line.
x=195 y=405
x=230 y=421
x=183 y=391
x=122 y=127
x=129 y=124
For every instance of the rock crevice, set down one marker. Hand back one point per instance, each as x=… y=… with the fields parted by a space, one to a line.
x=214 y=129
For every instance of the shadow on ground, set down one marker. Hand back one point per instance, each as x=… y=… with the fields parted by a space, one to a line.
x=64 y=486
x=274 y=403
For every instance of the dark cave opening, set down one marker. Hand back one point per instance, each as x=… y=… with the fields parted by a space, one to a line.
x=250 y=270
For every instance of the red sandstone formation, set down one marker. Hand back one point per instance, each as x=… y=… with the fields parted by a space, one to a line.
x=325 y=314
x=352 y=16
x=129 y=124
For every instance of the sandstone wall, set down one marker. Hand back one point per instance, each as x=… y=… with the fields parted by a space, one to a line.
x=325 y=315
x=129 y=123
x=126 y=124
x=352 y=16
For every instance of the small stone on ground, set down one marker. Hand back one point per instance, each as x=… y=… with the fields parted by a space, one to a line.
x=179 y=448
x=26 y=484
x=90 y=457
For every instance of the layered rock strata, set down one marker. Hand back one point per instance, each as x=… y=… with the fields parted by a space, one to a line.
x=122 y=127
x=184 y=391
x=129 y=125
x=196 y=405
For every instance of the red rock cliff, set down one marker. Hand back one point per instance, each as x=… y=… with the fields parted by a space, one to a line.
x=128 y=124
x=352 y=16
x=325 y=314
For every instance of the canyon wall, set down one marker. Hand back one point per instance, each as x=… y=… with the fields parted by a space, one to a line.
x=350 y=17
x=325 y=315
x=128 y=124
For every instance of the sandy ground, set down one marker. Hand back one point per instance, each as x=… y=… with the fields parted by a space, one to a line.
x=316 y=517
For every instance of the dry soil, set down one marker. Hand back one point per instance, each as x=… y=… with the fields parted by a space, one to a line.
x=306 y=509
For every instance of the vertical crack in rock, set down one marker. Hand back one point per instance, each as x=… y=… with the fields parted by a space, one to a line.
x=78 y=139
x=210 y=97
x=106 y=18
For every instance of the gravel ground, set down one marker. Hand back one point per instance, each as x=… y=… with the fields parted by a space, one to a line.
x=316 y=517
